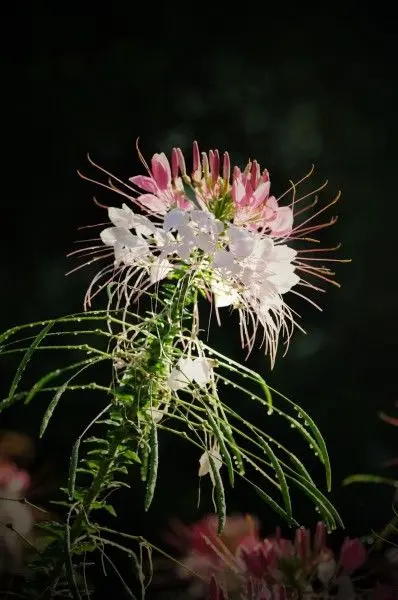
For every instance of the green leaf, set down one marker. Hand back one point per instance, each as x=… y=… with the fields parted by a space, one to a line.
x=223 y=449
x=118 y=484
x=326 y=508
x=274 y=505
x=110 y=509
x=364 y=478
x=108 y=422
x=131 y=455
x=92 y=464
x=320 y=442
x=153 y=467
x=190 y=194
x=98 y=451
x=220 y=494
x=51 y=407
x=72 y=469
x=27 y=356
x=280 y=475
x=40 y=384
x=95 y=440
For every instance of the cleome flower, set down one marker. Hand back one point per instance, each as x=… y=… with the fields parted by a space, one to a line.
x=238 y=563
x=225 y=232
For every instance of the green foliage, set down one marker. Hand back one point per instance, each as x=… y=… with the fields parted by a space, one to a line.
x=139 y=404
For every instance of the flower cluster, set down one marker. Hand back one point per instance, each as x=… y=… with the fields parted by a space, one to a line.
x=16 y=518
x=239 y=564
x=224 y=231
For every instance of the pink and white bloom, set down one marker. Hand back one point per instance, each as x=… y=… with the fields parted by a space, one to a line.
x=222 y=228
x=16 y=518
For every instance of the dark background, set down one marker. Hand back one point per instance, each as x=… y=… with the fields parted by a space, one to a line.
x=288 y=86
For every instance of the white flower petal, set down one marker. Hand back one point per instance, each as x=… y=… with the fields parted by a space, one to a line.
x=224 y=293
x=283 y=253
x=114 y=235
x=224 y=260
x=159 y=270
x=200 y=217
x=143 y=226
x=205 y=465
x=241 y=241
x=121 y=217
x=174 y=219
x=326 y=570
x=190 y=370
x=157 y=414
x=202 y=371
x=263 y=246
x=205 y=243
x=161 y=237
x=284 y=282
x=283 y=223
x=176 y=380
x=182 y=374
x=184 y=250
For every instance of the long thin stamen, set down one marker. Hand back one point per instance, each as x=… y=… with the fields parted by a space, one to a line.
x=88 y=263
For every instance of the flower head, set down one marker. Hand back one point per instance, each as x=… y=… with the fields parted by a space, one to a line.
x=238 y=561
x=224 y=231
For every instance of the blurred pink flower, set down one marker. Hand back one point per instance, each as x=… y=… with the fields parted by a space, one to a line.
x=239 y=564
x=352 y=554
x=16 y=518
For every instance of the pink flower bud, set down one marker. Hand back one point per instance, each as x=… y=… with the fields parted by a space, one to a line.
x=258 y=559
x=226 y=170
x=302 y=543
x=174 y=163
x=181 y=162
x=205 y=164
x=214 y=159
x=352 y=554
x=255 y=174
x=320 y=537
x=161 y=170
x=247 y=169
x=284 y=548
x=196 y=157
x=236 y=173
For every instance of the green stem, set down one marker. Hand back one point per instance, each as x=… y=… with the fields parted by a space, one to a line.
x=181 y=301
x=386 y=532
x=91 y=497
